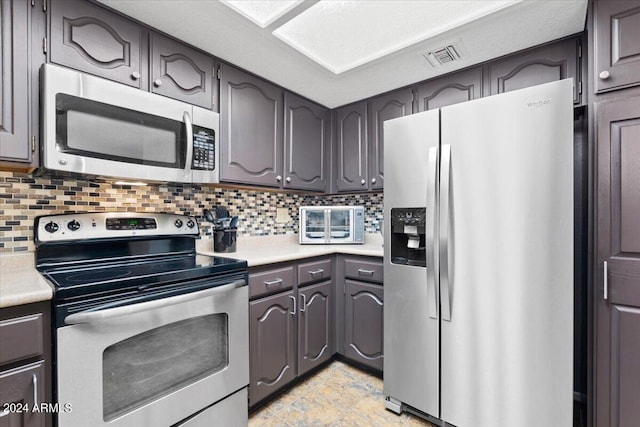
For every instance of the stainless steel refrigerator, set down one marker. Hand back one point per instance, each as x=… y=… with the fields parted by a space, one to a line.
x=478 y=253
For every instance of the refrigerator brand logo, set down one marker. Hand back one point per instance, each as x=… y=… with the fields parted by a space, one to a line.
x=538 y=104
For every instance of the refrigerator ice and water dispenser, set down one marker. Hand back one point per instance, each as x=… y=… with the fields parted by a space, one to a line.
x=408 y=236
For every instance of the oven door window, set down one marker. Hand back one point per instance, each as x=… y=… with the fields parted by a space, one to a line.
x=314 y=225
x=93 y=129
x=340 y=224
x=147 y=366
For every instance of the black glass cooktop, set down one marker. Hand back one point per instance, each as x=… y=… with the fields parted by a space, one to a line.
x=107 y=277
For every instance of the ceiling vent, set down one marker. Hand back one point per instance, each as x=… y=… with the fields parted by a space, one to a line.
x=442 y=56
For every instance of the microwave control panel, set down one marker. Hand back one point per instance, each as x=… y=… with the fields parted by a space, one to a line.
x=203 y=149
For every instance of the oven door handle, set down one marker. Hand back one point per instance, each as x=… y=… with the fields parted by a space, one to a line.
x=97 y=314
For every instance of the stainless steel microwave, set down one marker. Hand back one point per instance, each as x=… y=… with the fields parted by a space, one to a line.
x=94 y=126
x=331 y=224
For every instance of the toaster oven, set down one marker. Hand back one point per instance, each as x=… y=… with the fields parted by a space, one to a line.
x=331 y=224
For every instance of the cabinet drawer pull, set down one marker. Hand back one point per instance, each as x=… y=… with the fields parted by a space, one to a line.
x=318 y=271
x=273 y=282
x=364 y=272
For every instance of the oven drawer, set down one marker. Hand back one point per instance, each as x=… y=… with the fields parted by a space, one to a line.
x=21 y=338
x=270 y=281
x=370 y=271
x=230 y=412
x=314 y=271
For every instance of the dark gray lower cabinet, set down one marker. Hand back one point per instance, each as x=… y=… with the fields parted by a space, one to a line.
x=25 y=347
x=272 y=341
x=617 y=328
x=363 y=323
x=315 y=328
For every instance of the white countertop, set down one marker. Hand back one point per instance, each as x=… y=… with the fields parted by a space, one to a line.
x=262 y=250
x=20 y=282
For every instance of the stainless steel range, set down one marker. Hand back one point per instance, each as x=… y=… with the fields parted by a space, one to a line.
x=147 y=332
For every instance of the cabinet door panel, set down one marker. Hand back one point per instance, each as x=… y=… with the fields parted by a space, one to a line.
x=23 y=386
x=616 y=387
x=90 y=38
x=363 y=323
x=180 y=72
x=307 y=128
x=617 y=44
x=250 y=128
x=315 y=328
x=271 y=345
x=542 y=65
x=391 y=106
x=14 y=89
x=351 y=146
x=448 y=90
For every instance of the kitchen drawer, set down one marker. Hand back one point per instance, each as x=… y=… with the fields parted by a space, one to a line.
x=370 y=271
x=21 y=338
x=314 y=271
x=270 y=281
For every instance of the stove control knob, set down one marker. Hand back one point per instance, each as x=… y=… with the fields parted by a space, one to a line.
x=178 y=223
x=190 y=223
x=51 y=227
x=73 y=225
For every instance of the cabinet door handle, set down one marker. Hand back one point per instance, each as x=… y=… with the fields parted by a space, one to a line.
x=157 y=82
x=605 y=281
x=278 y=178
x=273 y=282
x=303 y=308
x=293 y=312
x=288 y=179
x=34 y=381
x=135 y=75
x=318 y=271
x=373 y=180
x=363 y=182
x=364 y=272
x=604 y=75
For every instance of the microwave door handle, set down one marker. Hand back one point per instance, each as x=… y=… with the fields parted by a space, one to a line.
x=97 y=314
x=189 y=128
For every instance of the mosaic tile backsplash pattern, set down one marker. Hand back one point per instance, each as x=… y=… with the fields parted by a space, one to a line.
x=23 y=197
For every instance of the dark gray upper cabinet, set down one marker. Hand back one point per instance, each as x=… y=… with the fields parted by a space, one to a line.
x=363 y=323
x=386 y=107
x=315 y=327
x=251 y=123
x=617 y=291
x=14 y=108
x=617 y=44
x=272 y=345
x=545 y=64
x=23 y=28
x=307 y=138
x=90 y=38
x=351 y=147
x=450 y=89
x=180 y=72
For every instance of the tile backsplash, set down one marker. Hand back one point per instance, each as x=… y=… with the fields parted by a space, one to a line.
x=23 y=197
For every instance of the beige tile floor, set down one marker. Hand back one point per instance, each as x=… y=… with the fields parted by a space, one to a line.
x=338 y=395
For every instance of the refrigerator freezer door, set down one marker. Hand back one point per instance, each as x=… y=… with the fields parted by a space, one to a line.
x=507 y=349
x=410 y=327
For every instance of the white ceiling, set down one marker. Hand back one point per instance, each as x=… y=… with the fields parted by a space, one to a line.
x=335 y=52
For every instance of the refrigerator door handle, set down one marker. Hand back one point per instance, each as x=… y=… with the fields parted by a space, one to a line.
x=431 y=233
x=445 y=181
